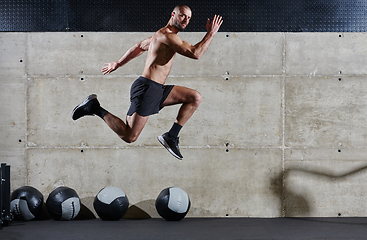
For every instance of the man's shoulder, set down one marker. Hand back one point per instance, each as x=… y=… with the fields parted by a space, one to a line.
x=165 y=37
x=166 y=33
x=171 y=37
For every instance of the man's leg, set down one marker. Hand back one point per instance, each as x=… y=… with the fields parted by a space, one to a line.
x=190 y=100
x=130 y=131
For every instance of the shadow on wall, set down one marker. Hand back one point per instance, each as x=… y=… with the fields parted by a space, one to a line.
x=296 y=204
x=85 y=213
x=141 y=210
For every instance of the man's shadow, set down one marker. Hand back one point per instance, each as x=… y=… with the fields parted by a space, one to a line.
x=298 y=204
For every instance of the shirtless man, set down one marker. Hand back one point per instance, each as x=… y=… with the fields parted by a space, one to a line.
x=148 y=93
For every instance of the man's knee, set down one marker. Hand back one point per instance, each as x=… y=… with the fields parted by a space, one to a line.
x=197 y=98
x=134 y=126
x=130 y=139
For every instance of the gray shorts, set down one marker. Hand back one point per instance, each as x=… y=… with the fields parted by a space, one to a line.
x=147 y=96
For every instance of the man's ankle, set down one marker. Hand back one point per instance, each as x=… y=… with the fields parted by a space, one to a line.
x=175 y=130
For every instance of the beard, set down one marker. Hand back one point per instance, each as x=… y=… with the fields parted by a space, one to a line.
x=178 y=25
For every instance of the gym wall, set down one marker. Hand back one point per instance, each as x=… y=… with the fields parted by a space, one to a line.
x=280 y=131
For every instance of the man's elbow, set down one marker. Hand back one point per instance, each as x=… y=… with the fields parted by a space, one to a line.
x=191 y=54
x=196 y=56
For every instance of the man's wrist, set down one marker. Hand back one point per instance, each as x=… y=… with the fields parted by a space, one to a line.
x=210 y=34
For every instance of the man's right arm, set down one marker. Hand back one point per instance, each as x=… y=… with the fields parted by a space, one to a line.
x=132 y=53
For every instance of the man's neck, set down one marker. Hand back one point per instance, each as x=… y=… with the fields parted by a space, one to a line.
x=172 y=28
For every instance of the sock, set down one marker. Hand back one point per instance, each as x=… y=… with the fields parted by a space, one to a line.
x=173 y=133
x=100 y=112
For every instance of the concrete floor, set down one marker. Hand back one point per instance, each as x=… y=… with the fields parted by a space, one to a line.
x=191 y=228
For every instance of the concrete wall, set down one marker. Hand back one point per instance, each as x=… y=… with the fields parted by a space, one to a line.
x=280 y=132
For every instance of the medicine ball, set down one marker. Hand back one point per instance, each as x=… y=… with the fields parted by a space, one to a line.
x=172 y=204
x=26 y=203
x=111 y=203
x=63 y=203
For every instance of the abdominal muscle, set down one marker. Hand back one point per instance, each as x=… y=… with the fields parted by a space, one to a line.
x=157 y=73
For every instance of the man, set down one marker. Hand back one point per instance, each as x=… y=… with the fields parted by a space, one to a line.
x=148 y=93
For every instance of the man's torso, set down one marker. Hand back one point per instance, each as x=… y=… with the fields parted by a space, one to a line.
x=160 y=57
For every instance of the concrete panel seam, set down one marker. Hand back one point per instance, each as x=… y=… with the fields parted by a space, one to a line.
x=26 y=107
x=326 y=76
x=158 y=147
x=201 y=76
x=170 y=76
x=283 y=203
x=312 y=148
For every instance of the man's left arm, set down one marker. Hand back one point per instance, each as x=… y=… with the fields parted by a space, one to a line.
x=196 y=51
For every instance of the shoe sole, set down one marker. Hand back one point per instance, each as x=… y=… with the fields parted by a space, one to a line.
x=165 y=144
x=90 y=97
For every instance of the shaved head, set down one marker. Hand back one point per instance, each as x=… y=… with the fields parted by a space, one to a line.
x=180 y=7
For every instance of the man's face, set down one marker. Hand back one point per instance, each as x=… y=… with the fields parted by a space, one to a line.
x=181 y=18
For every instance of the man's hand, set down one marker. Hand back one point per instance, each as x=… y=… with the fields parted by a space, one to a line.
x=213 y=27
x=110 y=67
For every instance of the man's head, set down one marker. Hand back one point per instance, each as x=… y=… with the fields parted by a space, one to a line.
x=181 y=16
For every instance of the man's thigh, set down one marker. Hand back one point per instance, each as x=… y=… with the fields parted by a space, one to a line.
x=135 y=124
x=180 y=95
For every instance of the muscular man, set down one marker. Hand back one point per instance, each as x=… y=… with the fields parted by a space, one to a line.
x=148 y=93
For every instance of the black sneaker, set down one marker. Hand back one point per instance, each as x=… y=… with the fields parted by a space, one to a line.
x=171 y=144
x=86 y=108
